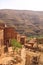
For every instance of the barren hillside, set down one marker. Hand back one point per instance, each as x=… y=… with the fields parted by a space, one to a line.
x=25 y=22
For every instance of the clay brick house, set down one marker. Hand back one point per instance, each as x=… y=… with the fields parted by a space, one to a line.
x=23 y=39
x=10 y=33
x=32 y=43
x=2 y=34
x=18 y=37
x=6 y=34
x=1 y=37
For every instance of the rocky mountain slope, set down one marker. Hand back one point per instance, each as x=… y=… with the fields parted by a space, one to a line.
x=25 y=22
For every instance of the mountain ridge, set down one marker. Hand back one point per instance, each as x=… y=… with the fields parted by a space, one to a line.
x=26 y=22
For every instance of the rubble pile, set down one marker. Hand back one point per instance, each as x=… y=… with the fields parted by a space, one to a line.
x=10 y=58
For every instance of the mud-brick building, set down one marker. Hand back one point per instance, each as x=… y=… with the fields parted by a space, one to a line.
x=1 y=37
x=6 y=34
x=2 y=34
x=10 y=33
x=23 y=39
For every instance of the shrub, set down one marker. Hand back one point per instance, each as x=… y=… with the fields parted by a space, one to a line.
x=15 y=44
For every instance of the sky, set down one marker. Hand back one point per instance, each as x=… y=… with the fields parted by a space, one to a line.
x=36 y=5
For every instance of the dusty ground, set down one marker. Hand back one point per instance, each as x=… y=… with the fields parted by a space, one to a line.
x=5 y=59
x=40 y=53
x=41 y=58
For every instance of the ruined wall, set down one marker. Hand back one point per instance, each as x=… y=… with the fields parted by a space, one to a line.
x=9 y=33
x=23 y=39
x=18 y=37
x=32 y=58
x=1 y=41
x=1 y=37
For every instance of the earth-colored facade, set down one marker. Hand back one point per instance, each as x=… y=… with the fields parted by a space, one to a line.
x=8 y=33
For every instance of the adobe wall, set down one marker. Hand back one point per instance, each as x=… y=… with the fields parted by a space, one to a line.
x=1 y=37
x=23 y=39
x=1 y=41
x=10 y=33
x=18 y=37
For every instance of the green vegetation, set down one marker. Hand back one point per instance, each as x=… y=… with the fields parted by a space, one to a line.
x=38 y=37
x=15 y=44
x=35 y=36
